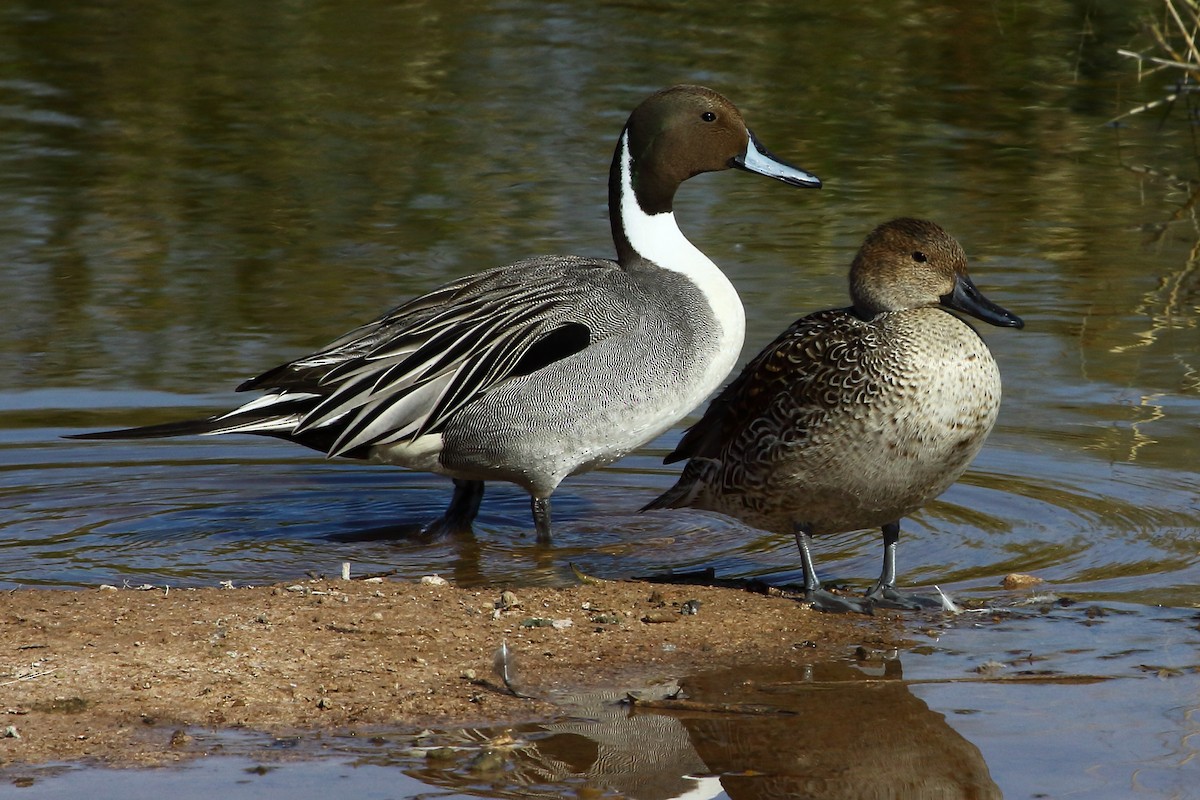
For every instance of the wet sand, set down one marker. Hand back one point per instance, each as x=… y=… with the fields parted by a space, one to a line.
x=116 y=675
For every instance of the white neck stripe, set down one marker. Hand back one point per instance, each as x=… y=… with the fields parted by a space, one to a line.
x=656 y=238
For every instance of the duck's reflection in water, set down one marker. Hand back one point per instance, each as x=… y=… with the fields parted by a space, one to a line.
x=830 y=731
x=827 y=730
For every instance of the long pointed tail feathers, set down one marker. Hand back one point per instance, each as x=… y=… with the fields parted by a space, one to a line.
x=190 y=427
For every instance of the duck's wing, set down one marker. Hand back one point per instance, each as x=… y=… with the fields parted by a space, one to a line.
x=405 y=374
x=794 y=381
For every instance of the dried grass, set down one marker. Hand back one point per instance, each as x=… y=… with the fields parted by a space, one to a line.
x=1173 y=48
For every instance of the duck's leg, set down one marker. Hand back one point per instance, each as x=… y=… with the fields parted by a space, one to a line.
x=884 y=592
x=463 y=508
x=821 y=599
x=541 y=518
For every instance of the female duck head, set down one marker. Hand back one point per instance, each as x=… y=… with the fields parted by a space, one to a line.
x=912 y=263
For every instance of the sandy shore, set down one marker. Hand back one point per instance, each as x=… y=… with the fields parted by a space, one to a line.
x=115 y=674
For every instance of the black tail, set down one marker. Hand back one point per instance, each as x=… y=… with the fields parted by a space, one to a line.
x=189 y=427
x=320 y=439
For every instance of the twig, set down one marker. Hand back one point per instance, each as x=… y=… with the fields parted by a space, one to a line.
x=29 y=677
x=1190 y=38
x=1162 y=62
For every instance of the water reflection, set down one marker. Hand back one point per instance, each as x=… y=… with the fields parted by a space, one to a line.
x=900 y=747
x=751 y=734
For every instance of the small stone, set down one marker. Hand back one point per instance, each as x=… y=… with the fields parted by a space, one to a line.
x=376 y=579
x=180 y=738
x=434 y=580
x=11 y=732
x=105 y=587
x=507 y=600
x=658 y=617
x=441 y=754
x=324 y=703
x=486 y=761
x=1018 y=580
x=690 y=608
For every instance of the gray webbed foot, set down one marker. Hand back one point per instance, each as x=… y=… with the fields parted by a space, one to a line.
x=891 y=597
x=824 y=600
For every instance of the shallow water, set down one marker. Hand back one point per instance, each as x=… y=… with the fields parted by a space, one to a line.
x=192 y=196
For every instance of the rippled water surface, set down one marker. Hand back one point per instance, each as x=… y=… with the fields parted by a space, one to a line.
x=191 y=196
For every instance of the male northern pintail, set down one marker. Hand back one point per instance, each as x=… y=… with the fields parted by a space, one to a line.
x=545 y=368
x=854 y=417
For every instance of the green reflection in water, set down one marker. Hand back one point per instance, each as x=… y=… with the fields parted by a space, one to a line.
x=194 y=193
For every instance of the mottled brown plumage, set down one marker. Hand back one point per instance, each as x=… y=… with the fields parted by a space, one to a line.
x=854 y=417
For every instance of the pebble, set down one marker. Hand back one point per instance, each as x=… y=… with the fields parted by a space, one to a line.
x=486 y=761
x=434 y=580
x=1018 y=580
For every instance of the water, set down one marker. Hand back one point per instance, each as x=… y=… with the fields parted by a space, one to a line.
x=193 y=195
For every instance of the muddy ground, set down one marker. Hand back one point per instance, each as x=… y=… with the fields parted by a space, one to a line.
x=118 y=675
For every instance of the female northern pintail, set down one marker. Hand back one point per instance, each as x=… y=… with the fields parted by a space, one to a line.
x=854 y=417
x=545 y=368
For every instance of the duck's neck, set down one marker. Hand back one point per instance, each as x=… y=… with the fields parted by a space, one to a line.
x=653 y=236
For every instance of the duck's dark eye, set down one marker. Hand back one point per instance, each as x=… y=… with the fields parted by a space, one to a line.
x=709 y=116
x=919 y=257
